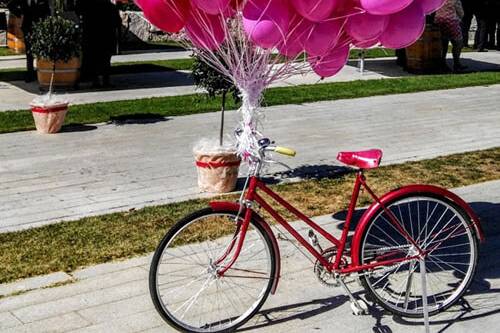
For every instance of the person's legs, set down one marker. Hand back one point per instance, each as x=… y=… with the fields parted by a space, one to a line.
x=93 y=72
x=30 y=66
x=445 y=42
x=457 y=46
x=466 y=23
x=482 y=32
x=491 y=27
x=106 y=69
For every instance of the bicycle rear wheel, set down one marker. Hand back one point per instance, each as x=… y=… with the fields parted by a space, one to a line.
x=438 y=226
x=185 y=286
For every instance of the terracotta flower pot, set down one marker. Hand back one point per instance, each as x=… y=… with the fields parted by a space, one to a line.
x=49 y=118
x=217 y=172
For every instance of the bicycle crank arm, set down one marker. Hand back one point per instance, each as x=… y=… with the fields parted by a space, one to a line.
x=358 y=306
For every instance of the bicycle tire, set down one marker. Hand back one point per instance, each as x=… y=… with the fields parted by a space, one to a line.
x=156 y=262
x=470 y=241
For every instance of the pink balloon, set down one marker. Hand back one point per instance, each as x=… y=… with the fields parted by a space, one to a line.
x=404 y=27
x=167 y=15
x=384 y=7
x=430 y=6
x=297 y=33
x=323 y=37
x=204 y=30
x=365 y=44
x=315 y=10
x=213 y=7
x=366 y=26
x=331 y=63
x=266 y=21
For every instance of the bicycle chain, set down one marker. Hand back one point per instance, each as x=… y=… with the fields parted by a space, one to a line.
x=387 y=268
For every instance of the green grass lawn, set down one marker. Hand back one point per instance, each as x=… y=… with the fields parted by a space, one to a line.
x=199 y=103
x=93 y=240
x=5 y=51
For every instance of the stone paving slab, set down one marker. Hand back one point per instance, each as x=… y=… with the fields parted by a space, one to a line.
x=33 y=283
x=45 y=179
x=114 y=297
x=17 y=95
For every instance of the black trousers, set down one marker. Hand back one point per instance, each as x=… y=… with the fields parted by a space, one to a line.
x=467 y=22
x=30 y=66
x=481 y=39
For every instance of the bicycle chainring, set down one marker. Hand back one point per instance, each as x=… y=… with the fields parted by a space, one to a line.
x=326 y=278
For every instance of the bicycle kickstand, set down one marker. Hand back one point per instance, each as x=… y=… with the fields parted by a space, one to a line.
x=358 y=306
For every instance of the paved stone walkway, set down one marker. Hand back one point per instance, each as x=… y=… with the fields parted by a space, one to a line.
x=19 y=61
x=114 y=297
x=99 y=169
x=17 y=95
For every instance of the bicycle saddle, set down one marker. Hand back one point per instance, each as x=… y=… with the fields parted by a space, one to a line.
x=367 y=159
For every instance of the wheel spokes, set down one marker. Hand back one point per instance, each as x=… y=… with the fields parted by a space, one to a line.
x=447 y=241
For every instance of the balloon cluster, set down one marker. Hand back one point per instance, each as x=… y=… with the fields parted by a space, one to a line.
x=324 y=30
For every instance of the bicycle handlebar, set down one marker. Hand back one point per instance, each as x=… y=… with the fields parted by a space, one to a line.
x=285 y=151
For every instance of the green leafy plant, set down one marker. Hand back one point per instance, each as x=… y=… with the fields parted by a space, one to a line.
x=56 y=39
x=215 y=83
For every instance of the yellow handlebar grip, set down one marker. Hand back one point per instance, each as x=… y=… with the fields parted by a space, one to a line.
x=285 y=151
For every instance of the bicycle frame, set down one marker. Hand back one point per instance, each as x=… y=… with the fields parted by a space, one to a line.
x=252 y=196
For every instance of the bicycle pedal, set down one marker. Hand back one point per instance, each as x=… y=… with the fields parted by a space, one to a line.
x=313 y=240
x=359 y=307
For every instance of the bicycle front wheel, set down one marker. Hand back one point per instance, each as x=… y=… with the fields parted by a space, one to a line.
x=185 y=285
x=439 y=227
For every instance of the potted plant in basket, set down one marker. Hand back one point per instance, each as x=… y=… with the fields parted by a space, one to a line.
x=217 y=161
x=55 y=43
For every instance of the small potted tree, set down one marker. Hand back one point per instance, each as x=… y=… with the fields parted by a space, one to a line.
x=55 y=43
x=216 y=160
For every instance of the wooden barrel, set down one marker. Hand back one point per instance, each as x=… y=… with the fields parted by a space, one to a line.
x=424 y=56
x=66 y=74
x=15 y=36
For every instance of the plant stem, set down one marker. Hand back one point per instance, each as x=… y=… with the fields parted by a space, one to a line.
x=221 y=136
x=52 y=79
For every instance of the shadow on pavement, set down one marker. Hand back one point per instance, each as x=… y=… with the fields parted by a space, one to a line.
x=385 y=67
x=140 y=118
x=77 y=128
x=482 y=299
x=476 y=65
x=302 y=311
x=388 y=67
x=133 y=78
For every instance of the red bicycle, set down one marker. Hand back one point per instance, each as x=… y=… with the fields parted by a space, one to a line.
x=215 y=268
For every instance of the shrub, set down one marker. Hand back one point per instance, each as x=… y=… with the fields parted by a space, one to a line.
x=56 y=39
x=215 y=83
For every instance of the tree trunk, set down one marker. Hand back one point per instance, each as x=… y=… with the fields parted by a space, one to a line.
x=221 y=136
